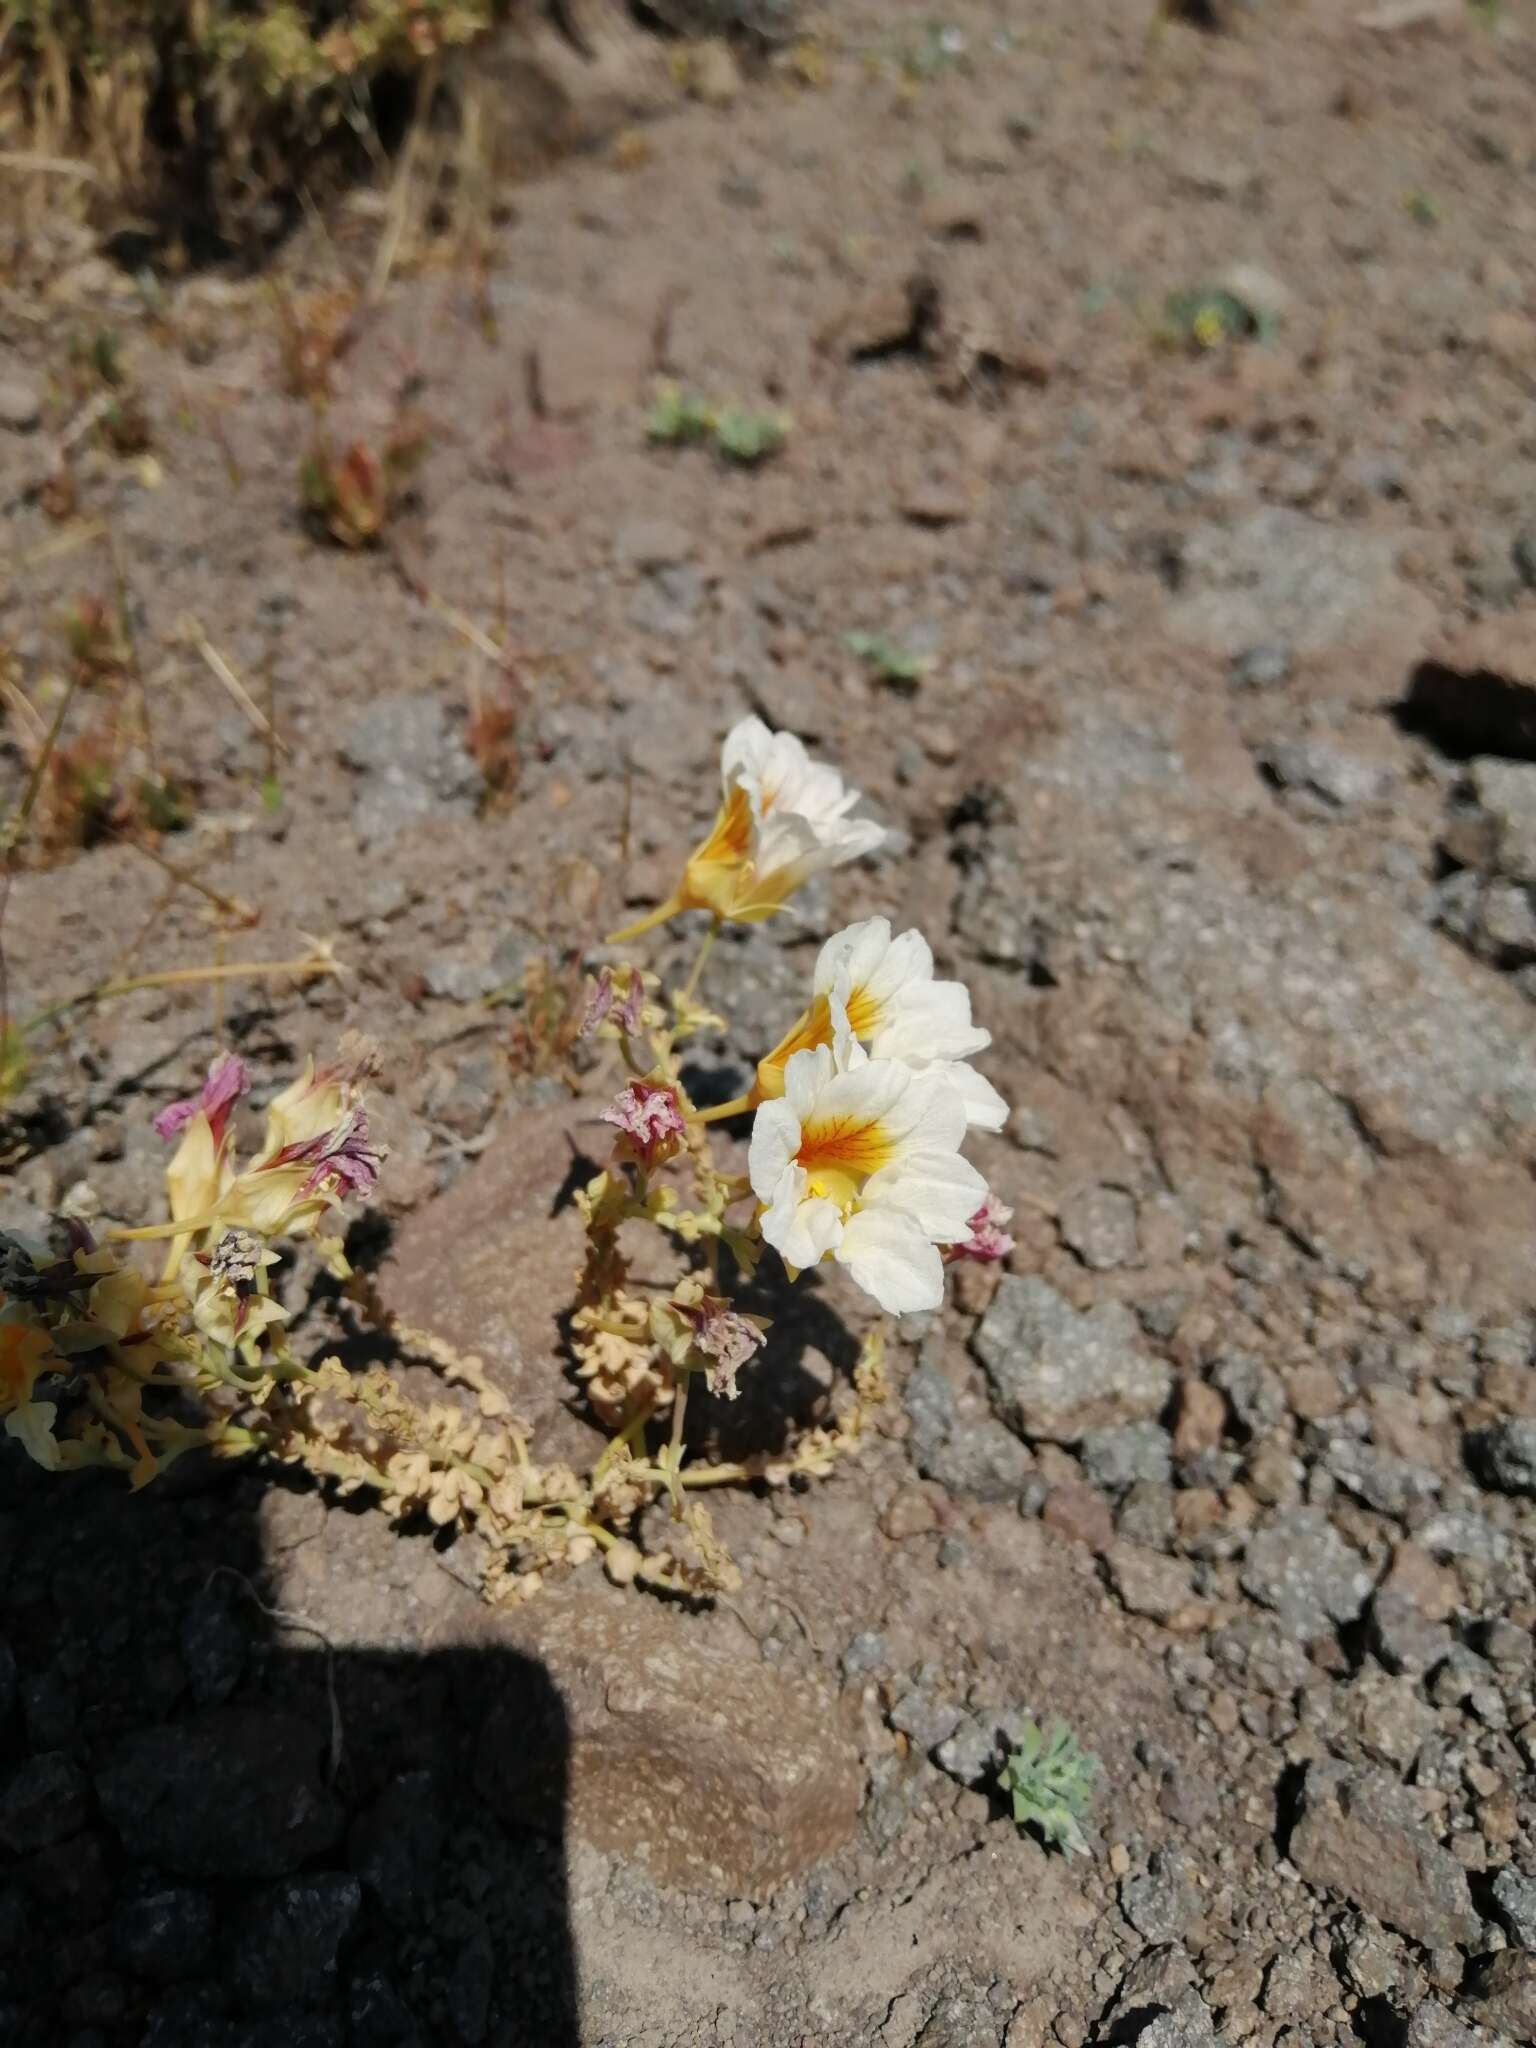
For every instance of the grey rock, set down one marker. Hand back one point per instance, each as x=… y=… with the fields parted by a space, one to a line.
x=1148 y=1583
x=235 y=1792
x=1459 y=1533
x=962 y=2019
x=930 y=1406
x=1157 y=1979
x=1322 y=769
x=1502 y=1993
x=213 y=1647
x=1360 y=1833
x=1115 y=1459
x=1255 y=1395
x=1504 y=1456
x=867 y=1651
x=1514 y=1898
x=981 y=1458
x=1301 y=1567
x=286 y=1946
x=1262 y=667
x=21 y=406
x=971 y=1754
x=45 y=1800
x=1187 y=2024
x=396 y=1845
x=1374 y=1960
x=1402 y=1638
x=1056 y=1373
x=1389 y=1484
x=165 y=1934
x=974 y=1455
x=1161 y=1903
x=1507 y=792
x=1099 y=1223
x=1433 y=2027
x=999 y=921
x=926 y=1714
x=1504 y=931
x=1298 y=1985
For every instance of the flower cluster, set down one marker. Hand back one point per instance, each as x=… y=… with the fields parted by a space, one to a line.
x=863 y=1106
x=95 y=1358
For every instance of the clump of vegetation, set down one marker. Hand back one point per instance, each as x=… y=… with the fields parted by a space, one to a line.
x=680 y=419
x=351 y=497
x=1050 y=1777
x=216 y=105
x=860 y=1114
x=890 y=661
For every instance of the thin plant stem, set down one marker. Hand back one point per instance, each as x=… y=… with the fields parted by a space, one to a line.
x=705 y=950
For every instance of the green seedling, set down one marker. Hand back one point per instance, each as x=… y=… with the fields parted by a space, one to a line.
x=891 y=662
x=749 y=437
x=1050 y=1779
x=678 y=418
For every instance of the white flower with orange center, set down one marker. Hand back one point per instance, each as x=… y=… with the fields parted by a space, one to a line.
x=783 y=818
x=878 y=992
x=859 y=1160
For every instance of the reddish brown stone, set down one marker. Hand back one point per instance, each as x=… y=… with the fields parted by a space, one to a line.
x=1081 y=1515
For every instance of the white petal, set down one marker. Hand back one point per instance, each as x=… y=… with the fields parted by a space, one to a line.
x=907 y=965
x=775 y=1141
x=745 y=749
x=803 y=1233
x=940 y=1191
x=848 y=945
x=859 y=1096
x=930 y=1021
x=929 y=1117
x=889 y=1257
x=985 y=1109
x=805 y=1075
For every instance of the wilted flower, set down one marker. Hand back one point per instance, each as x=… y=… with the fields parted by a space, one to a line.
x=989 y=1240
x=222 y=1286
x=606 y=1004
x=879 y=992
x=783 y=818
x=226 y=1083
x=724 y=1335
x=200 y=1170
x=861 y=1159
x=649 y=1122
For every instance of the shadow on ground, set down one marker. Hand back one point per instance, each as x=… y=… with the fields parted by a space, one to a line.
x=217 y=1833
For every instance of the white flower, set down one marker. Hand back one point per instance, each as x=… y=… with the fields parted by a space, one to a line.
x=881 y=992
x=878 y=992
x=860 y=1159
x=783 y=818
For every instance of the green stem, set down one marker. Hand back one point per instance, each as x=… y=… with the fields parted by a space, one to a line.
x=698 y=966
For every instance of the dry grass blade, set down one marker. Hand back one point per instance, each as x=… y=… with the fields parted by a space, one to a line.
x=221 y=670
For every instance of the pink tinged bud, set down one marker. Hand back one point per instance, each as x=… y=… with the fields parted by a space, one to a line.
x=599 y=1003
x=648 y=1120
x=629 y=1016
x=988 y=1240
x=227 y=1081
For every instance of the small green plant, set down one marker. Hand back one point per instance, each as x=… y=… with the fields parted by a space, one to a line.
x=891 y=662
x=678 y=418
x=1050 y=1779
x=1423 y=208
x=1206 y=320
x=749 y=437
x=681 y=419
